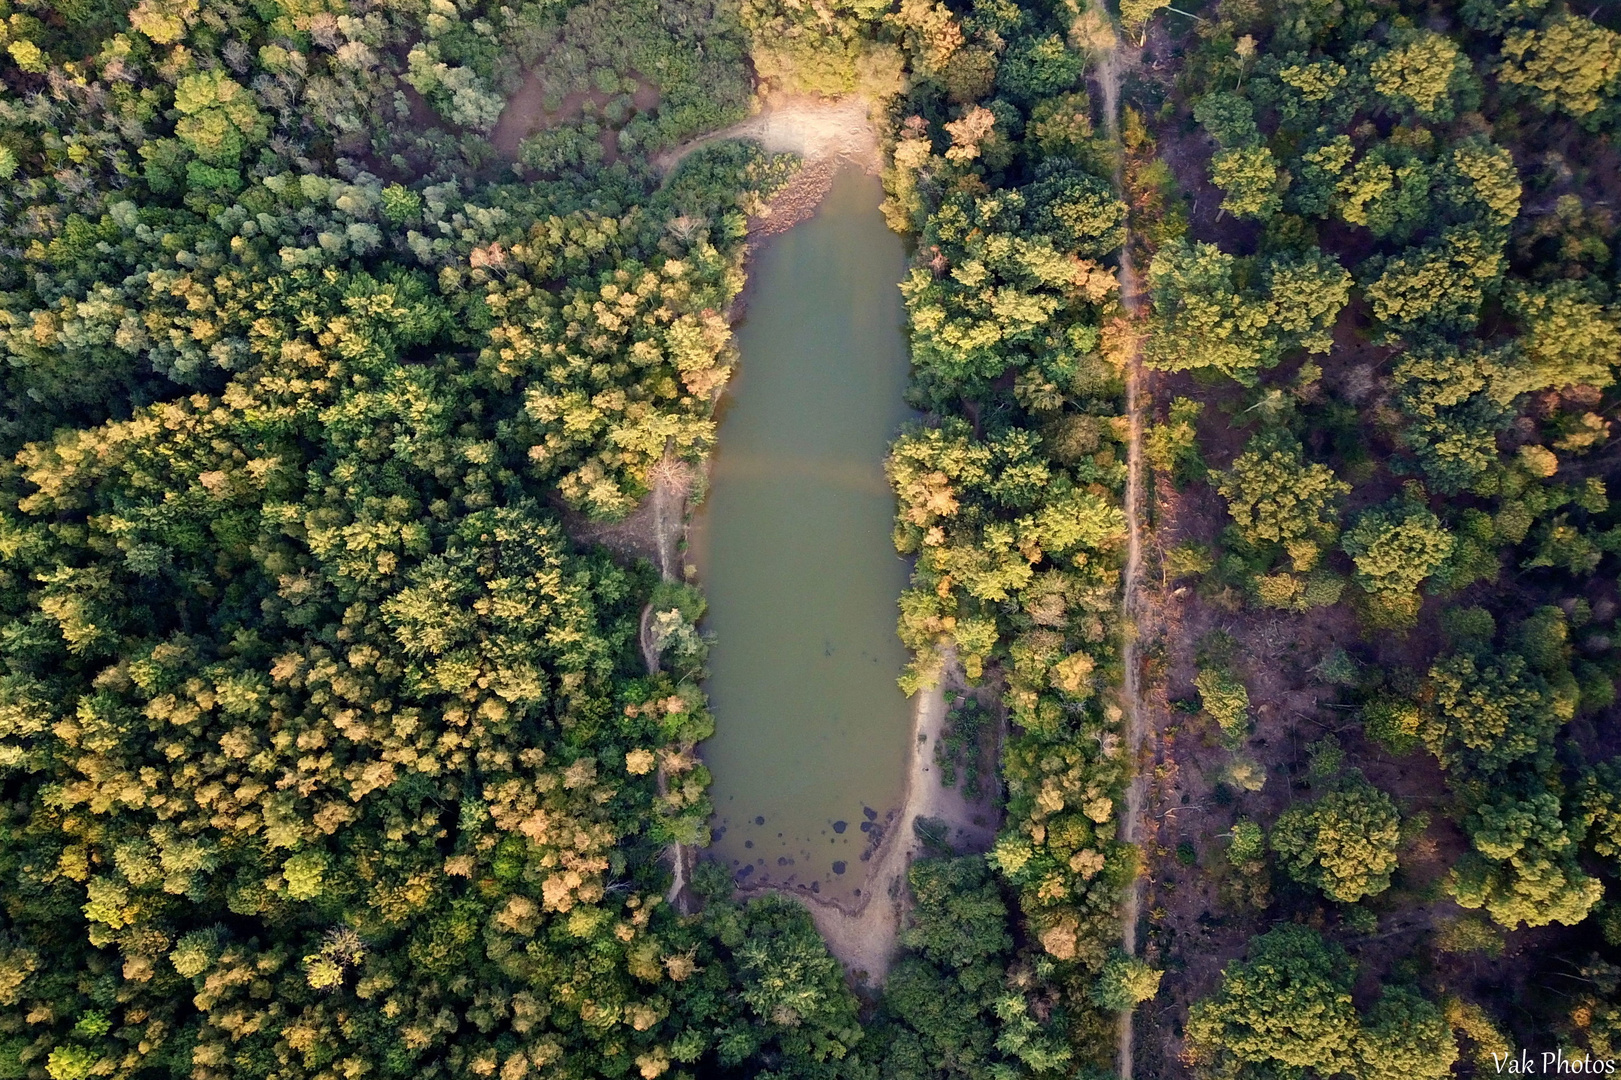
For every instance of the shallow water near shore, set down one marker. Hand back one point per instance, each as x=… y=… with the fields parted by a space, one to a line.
x=794 y=546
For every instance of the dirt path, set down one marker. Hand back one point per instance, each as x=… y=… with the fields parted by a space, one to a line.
x=865 y=937
x=1108 y=75
x=653 y=532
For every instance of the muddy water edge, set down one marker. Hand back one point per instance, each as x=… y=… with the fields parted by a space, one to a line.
x=794 y=552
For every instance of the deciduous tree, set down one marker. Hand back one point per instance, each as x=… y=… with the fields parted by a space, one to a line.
x=1343 y=843
x=1285 y=1007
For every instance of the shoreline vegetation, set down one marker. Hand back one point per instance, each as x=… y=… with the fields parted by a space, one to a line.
x=346 y=342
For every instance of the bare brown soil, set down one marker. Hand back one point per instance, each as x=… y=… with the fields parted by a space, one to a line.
x=1199 y=911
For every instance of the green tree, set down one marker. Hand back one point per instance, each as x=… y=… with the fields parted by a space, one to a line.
x=1276 y=498
x=1405 y=1035
x=1173 y=446
x=1598 y=798
x=1076 y=209
x=1570 y=64
x=1316 y=189
x=945 y=995
x=1306 y=293
x=1286 y=1007
x=959 y=918
x=1423 y=74
x=1226 y=700
x=1248 y=842
x=218 y=117
x=1523 y=868
x=1570 y=336
x=1456 y=402
x=1036 y=67
x=1135 y=14
x=1001 y=303
x=1343 y=843
x=1249 y=176
x=1495 y=16
x=1490 y=714
x=1480 y=182
x=1124 y=983
x=1438 y=288
x=1388 y=192
x=1229 y=118
x=1396 y=546
x=1204 y=319
x=793 y=988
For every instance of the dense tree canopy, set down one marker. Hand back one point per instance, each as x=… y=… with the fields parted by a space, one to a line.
x=1285 y=1007
x=325 y=750
x=1205 y=319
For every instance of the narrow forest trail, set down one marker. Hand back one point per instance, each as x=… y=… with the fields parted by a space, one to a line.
x=1108 y=76
x=666 y=505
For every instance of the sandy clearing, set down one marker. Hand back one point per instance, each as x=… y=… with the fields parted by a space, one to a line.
x=814 y=128
x=825 y=134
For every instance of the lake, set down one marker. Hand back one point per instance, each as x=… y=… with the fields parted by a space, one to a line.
x=793 y=542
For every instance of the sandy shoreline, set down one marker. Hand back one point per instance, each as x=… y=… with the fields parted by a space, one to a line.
x=865 y=936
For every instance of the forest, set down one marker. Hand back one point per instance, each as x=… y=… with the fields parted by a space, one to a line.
x=329 y=749
x=1383 y=340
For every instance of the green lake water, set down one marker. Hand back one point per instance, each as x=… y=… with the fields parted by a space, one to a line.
x=794 y=546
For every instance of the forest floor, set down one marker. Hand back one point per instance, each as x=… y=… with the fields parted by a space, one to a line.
x=1198 y=911
x=865 y=937
x=653 y=531
x=526 y=113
